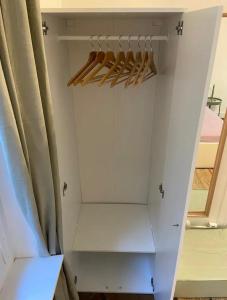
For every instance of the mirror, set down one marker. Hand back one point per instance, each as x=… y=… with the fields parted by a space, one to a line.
x=213 y=134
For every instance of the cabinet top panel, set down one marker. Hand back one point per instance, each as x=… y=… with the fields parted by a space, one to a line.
x=147 y=11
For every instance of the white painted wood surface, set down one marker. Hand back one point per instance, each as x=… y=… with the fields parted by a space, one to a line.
x=32 y=279
x=115 y=273
x=195 y=56
x=58 y=69
x=164 y=273
x=77 y=9
x=114 y=228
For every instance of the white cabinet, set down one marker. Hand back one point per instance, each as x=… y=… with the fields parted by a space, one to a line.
x=117 y=146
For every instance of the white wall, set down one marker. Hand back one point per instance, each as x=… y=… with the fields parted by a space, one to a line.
x=219 y=76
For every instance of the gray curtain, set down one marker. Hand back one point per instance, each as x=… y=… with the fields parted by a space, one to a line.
x=26 y=128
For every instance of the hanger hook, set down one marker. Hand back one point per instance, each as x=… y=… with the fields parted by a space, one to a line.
x=91 y=42
x=138 y=41
x=129 y=44
x=99 y=42
x=107 y=43
x=144 y=42
x=147 y=37
x=119 y=42
x=151 y=48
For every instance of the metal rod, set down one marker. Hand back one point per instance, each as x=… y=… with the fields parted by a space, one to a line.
x=111 y=37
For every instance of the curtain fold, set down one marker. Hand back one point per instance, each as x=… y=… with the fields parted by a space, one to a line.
x=27 y=134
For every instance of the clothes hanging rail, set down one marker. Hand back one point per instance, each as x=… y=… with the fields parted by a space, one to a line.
x=111 y=37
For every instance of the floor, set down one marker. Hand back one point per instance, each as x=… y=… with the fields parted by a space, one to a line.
x=198 y=200
x=200 y=188
x=202 y=179
x=111 y=296
x=100 y=296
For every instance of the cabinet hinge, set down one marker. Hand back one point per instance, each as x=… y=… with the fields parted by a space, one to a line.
x=64 y=189
x=179 y=27
x=45 y=28
x=161 y=190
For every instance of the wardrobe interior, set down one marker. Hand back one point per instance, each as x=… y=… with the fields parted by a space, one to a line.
x=118 y=148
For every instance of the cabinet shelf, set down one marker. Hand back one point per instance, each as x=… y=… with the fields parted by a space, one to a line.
x=115 y=272
x=114 y=228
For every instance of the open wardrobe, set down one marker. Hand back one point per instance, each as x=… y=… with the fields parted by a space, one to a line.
x=129 y=89
x=126 y=154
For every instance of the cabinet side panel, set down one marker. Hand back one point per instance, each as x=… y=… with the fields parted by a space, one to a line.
x=58 y=69
x=161 y=119
x=161 y=116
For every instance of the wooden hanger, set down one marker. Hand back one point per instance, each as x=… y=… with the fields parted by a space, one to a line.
x=144 y=66
x=135 y=66
x=92 y=61
x=98 y=60
x=150 y=74
x=150 y=65
x=128 y=65
x=141 y=68
x=91 y=58
x=99 y=77
x=120 y=60
x=100 y=56
x=90 y=64
x=109 y=57
x=146 y=69
x=121 y=69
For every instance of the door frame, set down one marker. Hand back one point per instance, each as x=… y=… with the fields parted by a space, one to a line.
x=217 y=164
